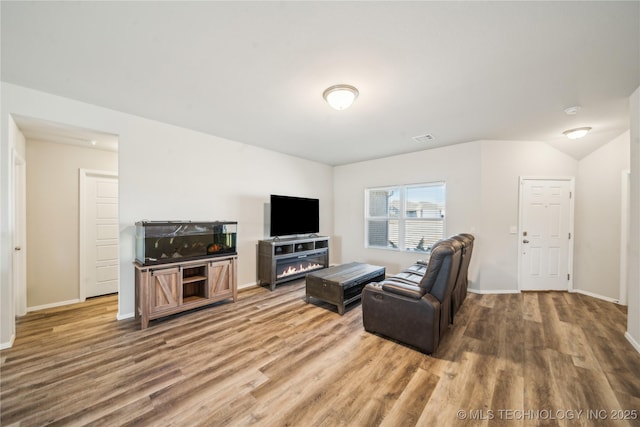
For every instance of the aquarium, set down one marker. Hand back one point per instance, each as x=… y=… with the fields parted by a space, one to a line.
x=172 y=241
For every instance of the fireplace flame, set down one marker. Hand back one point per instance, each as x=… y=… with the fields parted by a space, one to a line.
x=300 y=268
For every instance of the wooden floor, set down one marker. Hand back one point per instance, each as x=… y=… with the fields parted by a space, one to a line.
x=272 y=360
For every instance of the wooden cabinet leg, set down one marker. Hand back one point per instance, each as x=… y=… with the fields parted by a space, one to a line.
x=144 y=323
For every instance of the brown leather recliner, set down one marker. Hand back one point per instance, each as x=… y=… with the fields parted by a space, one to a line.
x=415 y=315
x=413 y=275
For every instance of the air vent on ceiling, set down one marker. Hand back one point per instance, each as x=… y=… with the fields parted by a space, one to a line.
x=423 y=138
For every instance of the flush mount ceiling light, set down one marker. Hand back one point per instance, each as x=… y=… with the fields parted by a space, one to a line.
x=340 y=97
x=576 y=133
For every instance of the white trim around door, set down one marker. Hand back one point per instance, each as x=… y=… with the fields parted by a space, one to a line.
x=19 y=226
x=624 y=234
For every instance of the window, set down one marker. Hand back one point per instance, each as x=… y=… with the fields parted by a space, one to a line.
x=405 y=217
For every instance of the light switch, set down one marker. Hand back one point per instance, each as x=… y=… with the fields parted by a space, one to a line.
x=513 y=229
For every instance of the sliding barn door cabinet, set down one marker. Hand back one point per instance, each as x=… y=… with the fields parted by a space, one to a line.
x=162 y=290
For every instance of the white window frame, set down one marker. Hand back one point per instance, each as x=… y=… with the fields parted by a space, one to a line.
x=402 y=218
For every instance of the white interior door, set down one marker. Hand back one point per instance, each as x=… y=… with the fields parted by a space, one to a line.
x=546 y=226
x=99 y=234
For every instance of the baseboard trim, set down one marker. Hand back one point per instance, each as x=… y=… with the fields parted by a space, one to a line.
x=512 y=291
x=493 y=291
x=124 y=316
x=9 y=343
x=53 y=305
x=633 y=342
x=248 y=285
x=594 y=295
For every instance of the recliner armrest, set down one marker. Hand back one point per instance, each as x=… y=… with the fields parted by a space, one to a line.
x=415 y=322
x=406 y=290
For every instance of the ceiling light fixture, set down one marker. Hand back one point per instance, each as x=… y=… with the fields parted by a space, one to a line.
x=340 y=97
x=576 y=133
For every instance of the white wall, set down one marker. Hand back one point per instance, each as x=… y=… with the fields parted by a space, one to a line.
x=52 y=217
x=167 y=172
x=598 y=208
x=175 y=173
x=482 y=180
x=633 y=264
x=503 y=163
x=462 y=177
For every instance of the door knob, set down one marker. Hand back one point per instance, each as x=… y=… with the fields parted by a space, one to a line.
x=525 y=241
x=17 y=248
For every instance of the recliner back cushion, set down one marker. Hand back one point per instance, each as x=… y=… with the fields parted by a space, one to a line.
x=443 y=287
x=439 y=266
x=467 y=240
x=467 y=243
x=470 y=238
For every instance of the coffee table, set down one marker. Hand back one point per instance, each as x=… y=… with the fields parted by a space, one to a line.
x=342 y=284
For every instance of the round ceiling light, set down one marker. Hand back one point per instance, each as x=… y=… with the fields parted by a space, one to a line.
x=576 y=133
x=340 y=97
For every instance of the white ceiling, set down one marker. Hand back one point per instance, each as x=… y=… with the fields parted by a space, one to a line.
x=254 y=72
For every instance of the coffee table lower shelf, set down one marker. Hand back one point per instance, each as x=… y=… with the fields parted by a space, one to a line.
x=341 y=285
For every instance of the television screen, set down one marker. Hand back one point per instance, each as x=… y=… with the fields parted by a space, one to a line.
x=294 y=215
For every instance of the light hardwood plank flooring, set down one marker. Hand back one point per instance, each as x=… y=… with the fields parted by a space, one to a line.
x=272 y=360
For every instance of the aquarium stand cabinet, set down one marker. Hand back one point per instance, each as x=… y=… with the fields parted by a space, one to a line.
x=281 y=260
x=170 y=288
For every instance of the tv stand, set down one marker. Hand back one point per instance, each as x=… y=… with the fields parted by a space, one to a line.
x=283 y=259
x=166 y=289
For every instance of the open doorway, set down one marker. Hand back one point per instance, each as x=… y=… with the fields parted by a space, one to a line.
x=55 y=155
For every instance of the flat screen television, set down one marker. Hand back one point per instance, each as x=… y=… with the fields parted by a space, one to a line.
x=294 y=215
